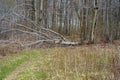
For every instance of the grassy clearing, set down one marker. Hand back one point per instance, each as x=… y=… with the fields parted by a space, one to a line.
x=83 y=63
x=11 y=62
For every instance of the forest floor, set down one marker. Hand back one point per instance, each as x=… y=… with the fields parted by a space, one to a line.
x=67 y=63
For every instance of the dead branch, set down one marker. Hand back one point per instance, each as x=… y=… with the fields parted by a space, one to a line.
x=47 y=35
x=30 y=29
x=33 y=33
x=56 y=34
x=41 y=28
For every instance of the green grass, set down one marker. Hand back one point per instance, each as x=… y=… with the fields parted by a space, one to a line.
x=11 y=62
x=83 y=63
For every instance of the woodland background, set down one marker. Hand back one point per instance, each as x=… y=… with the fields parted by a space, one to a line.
x=82 y=20
x=52 y=39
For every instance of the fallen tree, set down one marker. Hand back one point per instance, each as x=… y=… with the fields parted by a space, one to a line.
x=16 y=28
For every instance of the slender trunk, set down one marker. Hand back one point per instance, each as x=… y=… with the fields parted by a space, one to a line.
x=61 y=16
x=53 y=15
x=107 y=22
x=94 y=21
x=66 y=18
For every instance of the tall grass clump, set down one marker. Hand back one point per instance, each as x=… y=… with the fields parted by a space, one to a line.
x=80 y=63
x=84 y=64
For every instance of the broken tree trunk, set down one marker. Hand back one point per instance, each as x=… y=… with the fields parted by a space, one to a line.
x=22 y=29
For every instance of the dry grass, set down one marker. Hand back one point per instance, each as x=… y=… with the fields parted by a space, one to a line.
x=81 y=63
x=10 y=49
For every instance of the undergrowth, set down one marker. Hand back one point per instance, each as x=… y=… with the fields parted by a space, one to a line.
x=11 y=62
x=82 y=63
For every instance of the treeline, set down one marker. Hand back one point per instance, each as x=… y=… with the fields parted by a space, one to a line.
x=91 y=20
